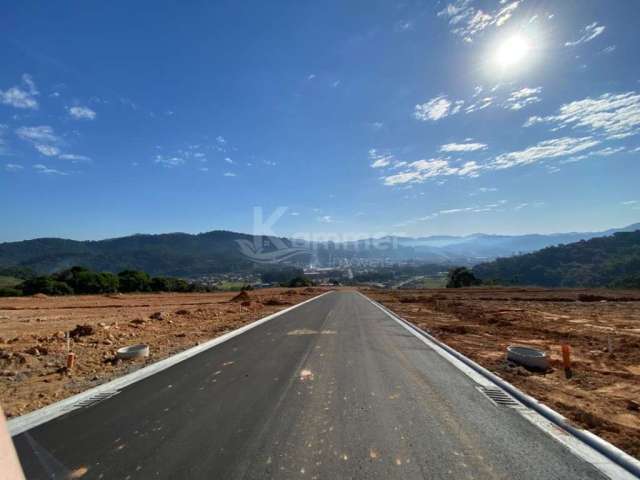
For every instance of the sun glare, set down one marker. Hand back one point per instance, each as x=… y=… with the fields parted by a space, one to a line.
x=512 y=51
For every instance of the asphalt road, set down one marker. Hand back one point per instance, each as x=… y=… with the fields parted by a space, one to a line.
x=332 y=389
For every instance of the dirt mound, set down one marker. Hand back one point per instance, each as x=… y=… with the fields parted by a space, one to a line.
x=274 y=301
x=243 y=296
x=82 y=331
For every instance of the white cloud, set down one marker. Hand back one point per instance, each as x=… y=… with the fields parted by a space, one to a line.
x=22 y=96
x=40 y=134
x=462 y=147
x=614 y=115
x=74 y=158
x=221 y=140
x=47 y=150
x=557 y=147
x=12 y=167
x=422 y=170
x=519 y=99
x=629 y=202
x=491 y=207
x=466 y=21
x=311 y=76
x=588 y=33
x=82 y=113
x=229 y=174
x=379 y=160
x=609 y=49
x=325 y=219
x=228 y=160
x=437 y=108
x=336 y=84
x=169 y=162
x=48 y=171
x=479 y=105
x=403 y=26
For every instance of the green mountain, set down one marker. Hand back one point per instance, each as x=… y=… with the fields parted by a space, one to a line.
x=175 y=254
x=604 y=261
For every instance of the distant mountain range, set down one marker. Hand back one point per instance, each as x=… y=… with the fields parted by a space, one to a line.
x=182 y=254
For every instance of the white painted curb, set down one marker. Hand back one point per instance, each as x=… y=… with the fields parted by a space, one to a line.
x=38 y=417
x=612 y=453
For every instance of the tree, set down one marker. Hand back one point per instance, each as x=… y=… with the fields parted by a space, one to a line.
x=461 y=277
x=298 y=282
x=134 y=281
x=169 y=284
x=46 y=285
x=83 y=280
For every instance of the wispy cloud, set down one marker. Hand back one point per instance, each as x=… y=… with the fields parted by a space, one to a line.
x=325 y=219
x=437 y=108
x=48 y=150
x=462 y=147
x=379 y=160
x=12 y=167
x=613 y=115
x=169 y=162
x=74 y=158
x=40 y=134
x=230 y=174
x=82 y=113
x=480 y=104
x=21 y=96
x=48 y=171
x=554 y=148
x=587 y=34
x=484 y=208
x=519 y=99
x=422 y=170
x=467 y=21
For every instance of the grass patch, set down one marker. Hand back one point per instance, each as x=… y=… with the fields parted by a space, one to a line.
x=230 y=285
x=434 y=282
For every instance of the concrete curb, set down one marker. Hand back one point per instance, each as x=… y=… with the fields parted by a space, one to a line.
x=603 y=447
x=38 y=417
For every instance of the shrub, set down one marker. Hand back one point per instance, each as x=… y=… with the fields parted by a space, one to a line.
x=461 y=277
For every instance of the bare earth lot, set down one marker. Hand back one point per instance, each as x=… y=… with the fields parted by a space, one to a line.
x=33 y=348
x=604 y=393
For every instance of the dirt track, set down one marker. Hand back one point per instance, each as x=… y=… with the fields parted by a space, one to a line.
x=604 y=393
x=33 y=347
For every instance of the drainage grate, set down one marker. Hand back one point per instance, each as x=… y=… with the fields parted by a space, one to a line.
x=499 y=397
x=92 y=400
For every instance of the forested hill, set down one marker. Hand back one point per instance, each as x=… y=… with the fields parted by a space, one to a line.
x=175 y=254
x=606 y=261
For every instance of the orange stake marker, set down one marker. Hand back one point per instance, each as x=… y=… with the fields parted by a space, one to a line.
x=71 y=360
x=566 y=360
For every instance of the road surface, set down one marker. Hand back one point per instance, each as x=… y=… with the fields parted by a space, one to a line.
x=332 y=389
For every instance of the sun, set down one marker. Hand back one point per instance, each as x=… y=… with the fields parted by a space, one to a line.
x=512 y=51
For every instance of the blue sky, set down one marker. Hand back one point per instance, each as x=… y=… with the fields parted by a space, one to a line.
x=360 y=117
